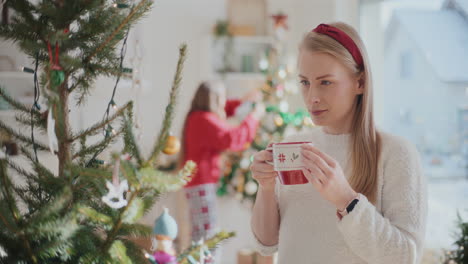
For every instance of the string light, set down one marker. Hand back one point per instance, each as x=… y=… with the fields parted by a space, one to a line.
x=121 y=5
x=28 y=70
x=109 y=129
x=282 y=73
x=113 y=104
x=263 y=64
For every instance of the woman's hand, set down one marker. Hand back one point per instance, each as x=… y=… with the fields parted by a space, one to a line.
x=327 y=177
x=263 y=172
x=254 y=95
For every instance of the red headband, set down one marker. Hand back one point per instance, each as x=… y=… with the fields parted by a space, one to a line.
x=343 y=39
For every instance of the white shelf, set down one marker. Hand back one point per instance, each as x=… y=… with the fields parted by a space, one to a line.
x=236 y=76
x=267 y=40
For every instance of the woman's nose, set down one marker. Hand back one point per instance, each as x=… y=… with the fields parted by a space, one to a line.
x=314 y=99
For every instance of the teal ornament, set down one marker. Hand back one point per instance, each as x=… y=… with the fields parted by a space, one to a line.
x=166 y=225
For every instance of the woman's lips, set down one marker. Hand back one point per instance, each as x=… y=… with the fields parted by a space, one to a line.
x=318 y=112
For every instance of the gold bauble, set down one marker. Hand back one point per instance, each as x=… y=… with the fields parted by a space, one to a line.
x=278 y=121
x=308 y=122
x=172 y=146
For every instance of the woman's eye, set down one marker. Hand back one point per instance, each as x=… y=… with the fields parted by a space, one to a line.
x=304 y=83
x=324 y=82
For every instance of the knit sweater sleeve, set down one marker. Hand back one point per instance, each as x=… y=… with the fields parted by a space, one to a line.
x=396 y=234
x=261 y=248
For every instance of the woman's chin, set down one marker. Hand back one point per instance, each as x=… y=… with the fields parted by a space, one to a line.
x=319 y=121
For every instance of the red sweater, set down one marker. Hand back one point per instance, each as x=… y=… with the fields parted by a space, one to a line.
x=206 y=136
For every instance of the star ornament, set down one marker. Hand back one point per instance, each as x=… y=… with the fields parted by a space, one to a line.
x=280 y=20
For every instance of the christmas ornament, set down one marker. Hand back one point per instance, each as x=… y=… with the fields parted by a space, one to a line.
x=115 y=197
x=308 y=121
x=283 y=106
x=280 y=25
x=172 y=145
x=280 y=21
x=57 y=75
x=53 y=142
x=251 y=188
x=245 y=163
x=165 y=231
x=278 y=120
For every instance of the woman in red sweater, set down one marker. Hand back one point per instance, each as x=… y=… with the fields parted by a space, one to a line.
x=205 y=135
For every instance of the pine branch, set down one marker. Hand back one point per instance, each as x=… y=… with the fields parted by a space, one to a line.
x=139 y=9
x=40 y=169
x=10 y=131
x=166 y=182
x=131 y=145
x=166 y=125
x=25 y=120
x=100 y=125
x=17 y=105
x=14 y=211
x=211 y=243
x=98 y=146
x=111 y=236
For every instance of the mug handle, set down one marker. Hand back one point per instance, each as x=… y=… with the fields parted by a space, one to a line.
x=269 y=148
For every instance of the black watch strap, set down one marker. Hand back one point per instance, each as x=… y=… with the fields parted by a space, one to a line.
x=352 y=205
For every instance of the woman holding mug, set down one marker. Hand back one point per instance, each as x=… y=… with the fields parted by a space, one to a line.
x=365 y=200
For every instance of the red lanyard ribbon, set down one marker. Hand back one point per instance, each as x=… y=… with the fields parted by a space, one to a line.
x=55 y=64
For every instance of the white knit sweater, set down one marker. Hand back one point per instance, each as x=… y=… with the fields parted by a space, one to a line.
x=392 y=232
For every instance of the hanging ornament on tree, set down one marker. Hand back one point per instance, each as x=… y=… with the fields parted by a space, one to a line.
x=172 y=145
x=308 y=122
x=165 y=231
x=245 y=163
x=115 y=197
x=278 y=120
x=57 y=75
x=53 y=142
x=280 y=25
x=280 y=21
x=251 y=188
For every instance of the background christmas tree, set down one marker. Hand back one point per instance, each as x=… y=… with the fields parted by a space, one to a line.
x=70 y=216
x=460 y=254
x=275 y=125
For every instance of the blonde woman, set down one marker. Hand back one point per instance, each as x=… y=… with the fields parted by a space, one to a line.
x=366 y=197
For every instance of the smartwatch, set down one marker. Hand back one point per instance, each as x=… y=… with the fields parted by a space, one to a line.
x=349 y=208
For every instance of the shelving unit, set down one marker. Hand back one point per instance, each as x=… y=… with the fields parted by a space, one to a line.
x=244 y=61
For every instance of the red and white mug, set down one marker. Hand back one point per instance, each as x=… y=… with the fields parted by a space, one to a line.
x=287 y=162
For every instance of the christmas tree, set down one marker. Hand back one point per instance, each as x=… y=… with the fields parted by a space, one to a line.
x=70 y=216
x=274 y=126
x=460 y=254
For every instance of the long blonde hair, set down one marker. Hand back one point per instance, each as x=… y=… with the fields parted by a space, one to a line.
x=365 y=139
x=207 y=98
